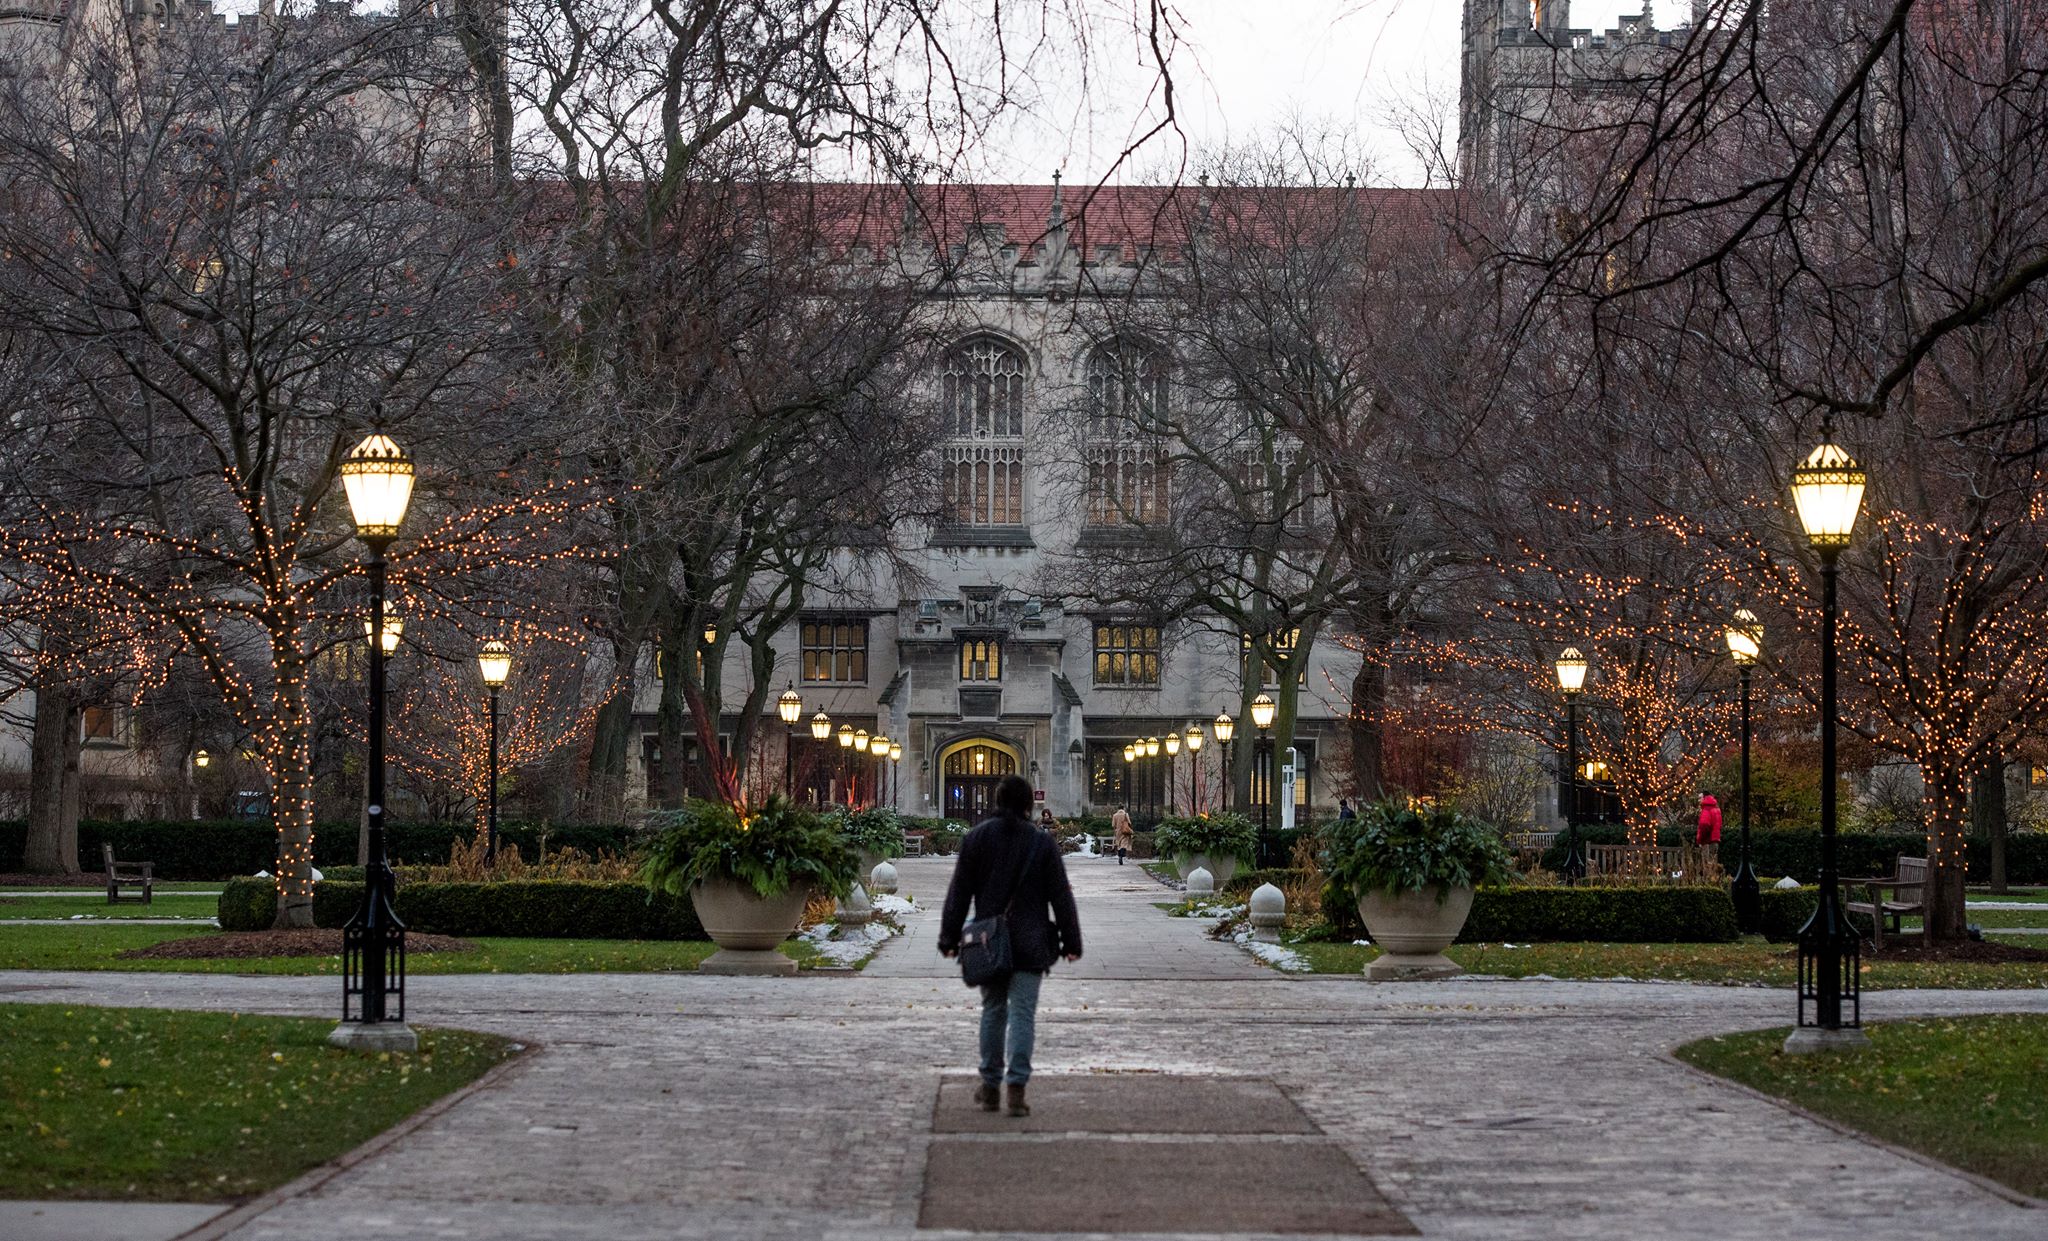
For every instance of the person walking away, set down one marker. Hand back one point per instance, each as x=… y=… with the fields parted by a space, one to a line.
x=1125 y=837
x=1008 y=866
x=1708 y=835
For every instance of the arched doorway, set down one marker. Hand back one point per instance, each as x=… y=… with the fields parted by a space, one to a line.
x=968 y=771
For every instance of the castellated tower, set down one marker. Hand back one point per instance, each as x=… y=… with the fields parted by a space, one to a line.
x=1527 y=72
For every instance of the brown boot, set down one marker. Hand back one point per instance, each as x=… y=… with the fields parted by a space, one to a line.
x=1017 y=1105
x=988 y=1097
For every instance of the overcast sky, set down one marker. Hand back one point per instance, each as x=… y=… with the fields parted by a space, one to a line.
x=1248 y=66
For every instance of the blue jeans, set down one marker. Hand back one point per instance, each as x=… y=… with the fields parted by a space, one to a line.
x=1013 y=1004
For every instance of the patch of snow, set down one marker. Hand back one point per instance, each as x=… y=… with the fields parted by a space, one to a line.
x=850 y=946
x=890 y=903
x=1280 y=956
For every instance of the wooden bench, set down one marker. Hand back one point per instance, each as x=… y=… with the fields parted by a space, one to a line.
x=1908 y=885
x=128 y=875
x=913 y=844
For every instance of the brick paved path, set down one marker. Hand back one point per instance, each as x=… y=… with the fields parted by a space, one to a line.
x=678 y=1106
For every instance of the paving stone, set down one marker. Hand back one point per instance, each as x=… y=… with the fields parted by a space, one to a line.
x=1107 y=1185
x=1127 y=1103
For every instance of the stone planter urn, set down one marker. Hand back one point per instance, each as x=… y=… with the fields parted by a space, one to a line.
x=746 y=927
x=1414 y=928
x=1220 y=868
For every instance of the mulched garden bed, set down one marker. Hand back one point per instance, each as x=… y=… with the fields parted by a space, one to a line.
x=84 y=879
x=321 y=942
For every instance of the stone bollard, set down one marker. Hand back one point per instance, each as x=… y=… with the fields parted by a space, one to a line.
x=882 y=880
x=1787 y=884
x=1268 y=913
x=855 y=909
x=1201 y=884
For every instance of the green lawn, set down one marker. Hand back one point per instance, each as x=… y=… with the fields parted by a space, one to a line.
x=2015 y=894
x=100 y=890
x=1750 y=962
x=95 y=908
x=95 y=947
x=1966 y=1090
x=142 y=1104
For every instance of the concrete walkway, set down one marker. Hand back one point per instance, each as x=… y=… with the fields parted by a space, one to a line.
x=1123 y=933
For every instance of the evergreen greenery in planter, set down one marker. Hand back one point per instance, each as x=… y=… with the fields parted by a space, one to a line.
x=1393 y=847
x=1213 y=835
x=876 y=830
x=772 y=849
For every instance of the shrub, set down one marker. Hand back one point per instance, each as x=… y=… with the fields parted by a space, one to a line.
x=539 y=909
x=249 y=904
x=219 y=849
x=1785 y=911
x=1650 y=915
x=1394 y=847
x=877 y=830
x=771 y=850
x=1245 y=882
x=1216 y=835
x=941 y=836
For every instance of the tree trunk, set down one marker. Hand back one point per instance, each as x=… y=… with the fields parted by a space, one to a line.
x=1368 y=707
x=1987 y=814
x=1947 y=803
x=290 y=758
x=673 y=726
x=53 y=784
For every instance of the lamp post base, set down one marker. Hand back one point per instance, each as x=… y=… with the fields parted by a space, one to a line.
x=375 y=1036
x=1811 y=1040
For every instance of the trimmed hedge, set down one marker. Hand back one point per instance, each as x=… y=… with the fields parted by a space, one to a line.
x=1646 y=915
x=218 y=849
x=1660 y=915
x=536 y=909
x=1796 y=851
x=1785 y=911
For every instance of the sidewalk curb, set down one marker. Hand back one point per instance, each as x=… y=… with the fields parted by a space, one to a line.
x=229 y=1221
x=1995 y=1188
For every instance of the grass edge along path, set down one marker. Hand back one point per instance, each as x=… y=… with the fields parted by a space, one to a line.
x=150 y=1105
x=96 y=946
x=1746 y=963
x=1961 y=1090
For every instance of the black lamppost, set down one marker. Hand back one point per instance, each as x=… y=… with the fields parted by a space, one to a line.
x=1130 y=775
x=821 y=732
x=1262 y=759
x=1150 y=749
x=895 y=772
x=377 y=478
x=1745 y=643
x=1571 y=678
x=845 y=747
x=1171 y=743
x=1827 y=488
x=1194 y=742
x=1226 y=728
x=791 y=708
x=495 y=662
x=878 y=776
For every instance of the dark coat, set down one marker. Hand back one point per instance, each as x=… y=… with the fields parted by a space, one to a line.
x=1006 y=853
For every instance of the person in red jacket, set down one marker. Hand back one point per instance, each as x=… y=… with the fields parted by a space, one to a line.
x=1709 y=832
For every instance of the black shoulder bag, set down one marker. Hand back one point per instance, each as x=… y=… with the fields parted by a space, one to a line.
x=985 y=942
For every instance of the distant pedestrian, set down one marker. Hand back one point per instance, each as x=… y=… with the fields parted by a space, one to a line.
x=1007 y=867
x=1124 y=837
x=1046 y=821
x=1344 y=811
x=1709 y=830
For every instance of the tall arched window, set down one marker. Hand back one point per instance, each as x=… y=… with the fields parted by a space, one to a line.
x=981 y=395
x=1128 y=392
